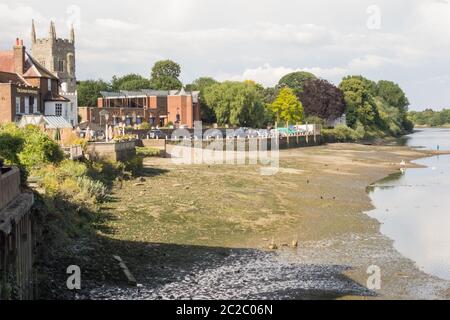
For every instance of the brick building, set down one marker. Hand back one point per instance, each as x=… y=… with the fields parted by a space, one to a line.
x=26 y=87
x=158 y=108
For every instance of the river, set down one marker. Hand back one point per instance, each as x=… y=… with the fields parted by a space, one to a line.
x=414 y=207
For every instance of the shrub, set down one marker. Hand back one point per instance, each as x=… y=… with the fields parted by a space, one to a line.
x=28 y=148
x=91 y=188
x=341 y=133
x=145 y=126
x=69 y=168
x=80 y=142
x=11 y=143
x=148 y=152
x=134 y=165
x=344 y=133
x=39 y=149
x=125 y=138
x=70 y=180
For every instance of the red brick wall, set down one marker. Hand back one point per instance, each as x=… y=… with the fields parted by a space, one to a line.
x=181 y=105
x=6 y=103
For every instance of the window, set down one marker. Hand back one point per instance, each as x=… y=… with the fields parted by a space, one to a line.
x=18 y=105
x=49 y=85
x=33 y=105
x=58 y=109
x=60 y=66
x=27 y=105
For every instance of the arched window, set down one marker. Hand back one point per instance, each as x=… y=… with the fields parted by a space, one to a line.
x=70 y=64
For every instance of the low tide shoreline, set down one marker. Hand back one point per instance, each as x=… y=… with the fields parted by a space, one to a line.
x=181 y=228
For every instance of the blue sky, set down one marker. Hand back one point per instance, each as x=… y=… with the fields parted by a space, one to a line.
x=407 y=41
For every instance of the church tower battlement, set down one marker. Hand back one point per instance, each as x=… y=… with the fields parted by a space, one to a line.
x=57 y=55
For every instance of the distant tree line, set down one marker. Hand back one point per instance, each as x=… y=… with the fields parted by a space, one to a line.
x=371 y=108
x=430 y=118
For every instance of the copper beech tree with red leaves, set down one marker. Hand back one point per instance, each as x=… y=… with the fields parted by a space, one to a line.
x=322 y=99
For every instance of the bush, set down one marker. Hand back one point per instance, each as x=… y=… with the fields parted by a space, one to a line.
x=134 y=165
x=145 y=126
x=342 y=133
x=39 y=149
x=80 y=142
x=125 y=138
x=69 y=168
x=28 y=148
x=70 y=180
x=148 y=152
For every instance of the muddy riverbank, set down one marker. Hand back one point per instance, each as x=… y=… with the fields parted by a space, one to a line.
x=199 y=231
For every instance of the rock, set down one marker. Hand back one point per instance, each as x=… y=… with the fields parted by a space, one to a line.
x=273 y=246
x=295 y=243
x=138 y=184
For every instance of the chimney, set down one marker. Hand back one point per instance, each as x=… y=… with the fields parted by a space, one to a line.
x=19 y=57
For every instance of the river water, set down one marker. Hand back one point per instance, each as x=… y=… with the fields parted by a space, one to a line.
x=414 y=207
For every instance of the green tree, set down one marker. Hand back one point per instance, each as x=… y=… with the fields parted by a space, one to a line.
x=89 y=92
x=236 y=103
x=394 y=96
x=165 y=75
x=130 y=82
x=287 y=107
x=295 y=80
x=361 y=106
x=201 y=84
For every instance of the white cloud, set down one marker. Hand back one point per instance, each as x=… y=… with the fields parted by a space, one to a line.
x=269 y=76
x=367 y=62
x=116 y=24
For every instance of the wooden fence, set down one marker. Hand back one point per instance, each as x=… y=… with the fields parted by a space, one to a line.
x=17 y=240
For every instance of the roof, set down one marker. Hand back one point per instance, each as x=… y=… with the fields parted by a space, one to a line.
x=49 y=96
x=7 y=77
x=50 y=122
x=54 y=122
x=7 y=61
x=147 y=93
x=32 y=68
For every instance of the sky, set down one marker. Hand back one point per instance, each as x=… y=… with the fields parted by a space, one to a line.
x=406 y=41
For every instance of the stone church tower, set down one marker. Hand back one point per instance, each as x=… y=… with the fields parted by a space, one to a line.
x=58 y=56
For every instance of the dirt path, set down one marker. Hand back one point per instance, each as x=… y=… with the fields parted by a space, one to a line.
x=202 y=231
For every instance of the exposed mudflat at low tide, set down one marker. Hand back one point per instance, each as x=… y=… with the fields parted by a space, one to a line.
x=199 y=231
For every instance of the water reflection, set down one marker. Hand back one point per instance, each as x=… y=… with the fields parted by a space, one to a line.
x=414 y=207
